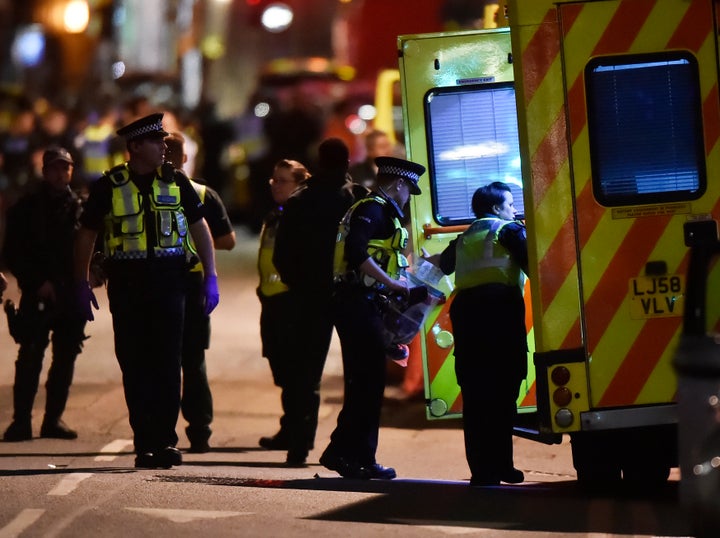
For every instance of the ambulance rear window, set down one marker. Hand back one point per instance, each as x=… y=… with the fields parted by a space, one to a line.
x=645 y=128
x=472 y=141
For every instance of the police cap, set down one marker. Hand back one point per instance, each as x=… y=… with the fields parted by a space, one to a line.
x=408 y=170
x=148 y=126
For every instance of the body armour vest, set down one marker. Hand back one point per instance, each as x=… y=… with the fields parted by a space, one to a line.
x=481 y=259
x=126 y=235
x=270 y=283
x=387 y=252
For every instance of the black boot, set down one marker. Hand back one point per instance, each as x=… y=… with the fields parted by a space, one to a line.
x=19 y=430
x=56 y=429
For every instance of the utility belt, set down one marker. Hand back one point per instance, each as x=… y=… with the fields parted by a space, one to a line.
x=354 y=279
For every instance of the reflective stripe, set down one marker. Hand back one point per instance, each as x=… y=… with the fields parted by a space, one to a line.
x=126 y=236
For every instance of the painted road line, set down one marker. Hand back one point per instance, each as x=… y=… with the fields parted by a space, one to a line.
x=186 y=516
x=110 y=451
x=21 y=522
x=69 y=483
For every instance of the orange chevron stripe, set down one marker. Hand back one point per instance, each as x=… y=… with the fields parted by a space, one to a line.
x=530 y=398
x=541 y=51
x=590 y=210
x=624 y=26
x=711 y=109
x=640 y=362
x=628 y=261
x=437 y=355
x=557 y=263
x=694 y=28
x=549 y=157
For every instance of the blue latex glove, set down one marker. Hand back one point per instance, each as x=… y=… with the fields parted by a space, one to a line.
x=85 y=300
x=212 y=295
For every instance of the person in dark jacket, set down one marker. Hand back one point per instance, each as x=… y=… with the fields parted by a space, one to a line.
x=303 y=257
x=490 y=262
x=196 y=403
x=276 y=316
x=39 y=252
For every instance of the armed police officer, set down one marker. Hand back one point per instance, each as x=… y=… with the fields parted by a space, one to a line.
x=39 y=252
x=144 y=209
x=368 y=266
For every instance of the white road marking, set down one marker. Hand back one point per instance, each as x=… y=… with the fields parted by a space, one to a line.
x=21 y=522
x=69 y=483
x=185 y=516
x=117 y=445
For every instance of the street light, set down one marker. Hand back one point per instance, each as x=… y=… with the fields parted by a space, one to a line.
x=76 y=16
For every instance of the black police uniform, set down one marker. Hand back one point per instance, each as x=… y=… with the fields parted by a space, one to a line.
x=490 y=361
x=359 y=323
x=147 y=302
x=39 y=247
x=197 y=403
x=303 y=256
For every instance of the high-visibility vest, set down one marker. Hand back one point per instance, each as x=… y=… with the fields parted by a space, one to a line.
x=386 y=252
x=200 y=189
x=270 y=283
x=126 y=237
x=97 y=156
x=481 y=259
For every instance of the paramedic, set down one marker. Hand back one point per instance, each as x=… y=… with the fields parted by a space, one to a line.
x=488 y=319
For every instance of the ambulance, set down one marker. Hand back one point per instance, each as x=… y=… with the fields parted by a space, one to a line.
x=604 y=118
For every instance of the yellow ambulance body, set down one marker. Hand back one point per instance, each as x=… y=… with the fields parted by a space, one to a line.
x=617 y=126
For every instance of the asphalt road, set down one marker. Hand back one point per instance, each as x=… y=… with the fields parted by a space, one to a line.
x=88 y=487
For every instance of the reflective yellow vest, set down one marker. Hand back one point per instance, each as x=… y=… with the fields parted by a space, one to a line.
x=386 y=252
x=270 y=283
x=97 y=156
x=200 y=189
x=125 y=235
x=481 y=259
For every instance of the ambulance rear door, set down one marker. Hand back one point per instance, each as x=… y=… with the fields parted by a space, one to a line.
x=460 y=122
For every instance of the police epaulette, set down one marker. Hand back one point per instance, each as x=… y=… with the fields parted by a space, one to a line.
x=118 y=174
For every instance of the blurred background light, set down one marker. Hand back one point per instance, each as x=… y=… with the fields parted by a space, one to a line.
x=28 y=49
x=277 y=17
x=76 y=16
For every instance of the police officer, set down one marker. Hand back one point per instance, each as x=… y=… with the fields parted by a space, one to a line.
x=144 y=210
x=368 y=264
x=488 y=319
x=303 y=256
x=196 y=403
x=38 y=250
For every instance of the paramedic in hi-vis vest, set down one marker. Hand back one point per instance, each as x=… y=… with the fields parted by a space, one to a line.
x=144 y=209
x=368 y=264
x=488 y=319
x=276 y=312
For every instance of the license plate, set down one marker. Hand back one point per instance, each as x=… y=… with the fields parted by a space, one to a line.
x=657 y=296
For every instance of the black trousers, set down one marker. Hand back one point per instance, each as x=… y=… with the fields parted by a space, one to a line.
x=359 y=324
x=148 y=315
x=296 y=329
x=490 y=364
x=196 y=402
x=67 y=330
